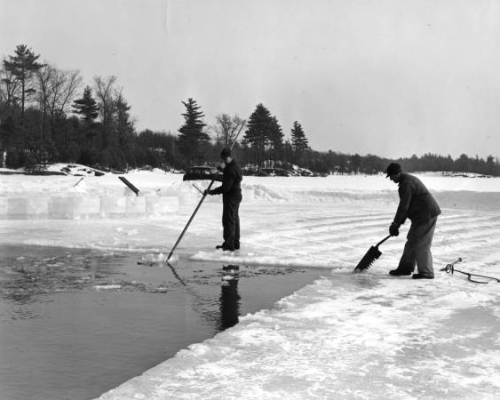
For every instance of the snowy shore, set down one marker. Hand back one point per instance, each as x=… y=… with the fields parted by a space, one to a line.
x=345 y=336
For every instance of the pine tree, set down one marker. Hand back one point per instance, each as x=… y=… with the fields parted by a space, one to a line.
x=124 y=124
x=89 y=110
x=192 y=139
x=258 y=134
x=299 y=141
x=276 y=140
x=22 y=67
x=86 y=106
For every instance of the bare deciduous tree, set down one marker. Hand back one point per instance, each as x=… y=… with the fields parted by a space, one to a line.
x=57 y=89
x=9 y=88
x=226 y=128
x=104 y=91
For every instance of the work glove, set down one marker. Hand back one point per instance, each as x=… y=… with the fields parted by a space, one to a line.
x=394 y=230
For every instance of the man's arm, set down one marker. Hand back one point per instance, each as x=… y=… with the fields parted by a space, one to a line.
x=227 y=184
x=405 y=195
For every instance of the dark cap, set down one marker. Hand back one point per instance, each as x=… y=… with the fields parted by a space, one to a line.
x=393 y=169
x=226 y=152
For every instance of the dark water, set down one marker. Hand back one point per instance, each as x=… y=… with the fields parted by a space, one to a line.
x=77 y=323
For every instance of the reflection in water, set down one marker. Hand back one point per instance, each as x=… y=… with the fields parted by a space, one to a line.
x=175 y=273
x=229 y=300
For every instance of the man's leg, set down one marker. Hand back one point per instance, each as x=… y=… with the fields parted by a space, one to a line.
x=229 y=213
x=237 y=227
x=423 y=249
x=407 y=261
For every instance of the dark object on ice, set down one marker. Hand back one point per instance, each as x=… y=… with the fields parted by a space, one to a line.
x=399 y=272
x=224 y=247
x=202 y=173
x=421 y=276
x=81 y=179
x=450 y=269
x=230 y=189
x=275 y=172
x=130 y=186
x=371 y=255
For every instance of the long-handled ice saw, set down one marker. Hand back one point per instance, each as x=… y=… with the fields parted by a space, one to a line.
x=201 y=201
x=371 y=255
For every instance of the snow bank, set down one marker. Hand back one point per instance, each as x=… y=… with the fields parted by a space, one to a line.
x=90 y=197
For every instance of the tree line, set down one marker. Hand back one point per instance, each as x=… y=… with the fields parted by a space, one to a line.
x=48 y=115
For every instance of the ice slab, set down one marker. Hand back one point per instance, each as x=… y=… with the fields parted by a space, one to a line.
x=81 y=206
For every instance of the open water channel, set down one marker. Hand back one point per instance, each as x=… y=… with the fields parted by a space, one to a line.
x=76 y=323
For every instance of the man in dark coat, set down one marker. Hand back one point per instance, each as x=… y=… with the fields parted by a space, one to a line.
x=418 y=205
x=231 y=199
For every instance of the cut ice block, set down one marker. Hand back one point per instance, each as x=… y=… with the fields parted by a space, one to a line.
x=135 y=206
x=17 y=208
x=112 y=206
x=37 y=206
x=92 y=206
x=66 y=207
x=161 y=205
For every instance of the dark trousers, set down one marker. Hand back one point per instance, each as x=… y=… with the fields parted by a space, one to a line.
x=417 y=249
x=231 y=222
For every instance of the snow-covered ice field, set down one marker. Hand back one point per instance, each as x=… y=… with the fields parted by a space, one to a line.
x=346 y=336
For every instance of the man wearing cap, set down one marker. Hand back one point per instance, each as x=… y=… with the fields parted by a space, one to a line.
x=418 y=205
x=231 y=199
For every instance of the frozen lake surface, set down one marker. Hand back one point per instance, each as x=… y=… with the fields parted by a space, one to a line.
x=346 y=336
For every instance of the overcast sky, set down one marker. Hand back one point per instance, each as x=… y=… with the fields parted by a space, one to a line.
x=385 y=77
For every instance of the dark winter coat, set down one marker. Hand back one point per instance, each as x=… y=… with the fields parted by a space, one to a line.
x=415 y=201
x=231 y=182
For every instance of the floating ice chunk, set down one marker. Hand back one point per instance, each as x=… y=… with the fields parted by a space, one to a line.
x=158 y=258
x=154 y=258
x=174 y=259
x=107 y=287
